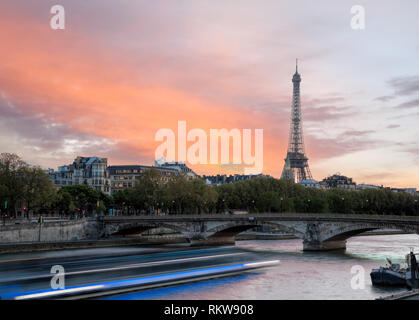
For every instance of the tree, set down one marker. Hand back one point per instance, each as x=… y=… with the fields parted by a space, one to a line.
x=202 y=197
x=122 y=198
x=268 y=201
x=11 y=172
x=84 y=197
x=178 y=192
x=147 y=193
x=317 y=205
x=38 y=190
x=3 y=196
x=64 y=202
x=101 y=208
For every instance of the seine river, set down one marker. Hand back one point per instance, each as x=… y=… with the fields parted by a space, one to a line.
x=299 y=275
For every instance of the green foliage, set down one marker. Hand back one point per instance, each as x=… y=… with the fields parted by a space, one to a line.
x=79 y=198
x=20 y=182
x=38 y=190
x=64 y=202
x=273 y=195
x=101 y=208
x=178 y=196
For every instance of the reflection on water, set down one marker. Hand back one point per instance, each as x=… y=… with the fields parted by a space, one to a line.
x=300 y=275
x=184 y=291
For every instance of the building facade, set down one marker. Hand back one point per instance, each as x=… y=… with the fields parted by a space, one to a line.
x=181 y=167
x=338 y=181
x=310 y=183
x=368 y=186
x=95 y=172
x=123 y=177
x=411 y=191
x=91 y=171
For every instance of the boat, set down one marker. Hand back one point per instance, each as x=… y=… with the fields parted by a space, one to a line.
x=390 y=275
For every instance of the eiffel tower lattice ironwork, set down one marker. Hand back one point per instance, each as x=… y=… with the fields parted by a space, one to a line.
x=296 y=163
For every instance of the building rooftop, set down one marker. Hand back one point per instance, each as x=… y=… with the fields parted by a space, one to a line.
x=308 y=181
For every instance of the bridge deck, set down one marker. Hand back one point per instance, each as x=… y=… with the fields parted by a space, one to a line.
x=268 y=217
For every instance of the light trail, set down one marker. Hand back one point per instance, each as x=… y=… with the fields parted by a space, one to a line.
x=144 y=281
x=130 y=266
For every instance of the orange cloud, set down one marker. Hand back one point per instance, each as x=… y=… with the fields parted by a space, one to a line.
x=63 y=77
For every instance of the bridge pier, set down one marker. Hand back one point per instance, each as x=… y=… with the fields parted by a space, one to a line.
x=324 y=245
x=314 y=239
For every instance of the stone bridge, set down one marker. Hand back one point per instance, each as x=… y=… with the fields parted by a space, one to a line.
x=318 y=231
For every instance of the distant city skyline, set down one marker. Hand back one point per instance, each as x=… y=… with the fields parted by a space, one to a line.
x=121 y=71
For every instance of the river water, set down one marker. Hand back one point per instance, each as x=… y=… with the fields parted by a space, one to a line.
x=299 y=275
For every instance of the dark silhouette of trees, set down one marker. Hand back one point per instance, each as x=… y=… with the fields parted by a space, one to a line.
x=29 y=186
x=23 y=184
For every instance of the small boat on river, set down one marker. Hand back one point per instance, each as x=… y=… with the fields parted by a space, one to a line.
x=393 y=275
x=390 y=275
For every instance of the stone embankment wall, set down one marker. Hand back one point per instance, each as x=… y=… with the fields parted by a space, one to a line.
x=49 y=231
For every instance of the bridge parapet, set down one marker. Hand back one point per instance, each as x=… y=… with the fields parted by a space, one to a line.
x=293 y=216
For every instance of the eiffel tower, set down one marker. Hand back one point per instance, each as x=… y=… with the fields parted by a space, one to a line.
x=296 y=163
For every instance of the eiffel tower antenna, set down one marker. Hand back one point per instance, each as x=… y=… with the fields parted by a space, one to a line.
x=296 y=163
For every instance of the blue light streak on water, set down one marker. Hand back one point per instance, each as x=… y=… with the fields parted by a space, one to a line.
x=138 y=281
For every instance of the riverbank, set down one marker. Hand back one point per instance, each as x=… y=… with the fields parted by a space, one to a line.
x=51 y=231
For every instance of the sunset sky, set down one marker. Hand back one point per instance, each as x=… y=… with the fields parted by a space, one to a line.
x=123 y=69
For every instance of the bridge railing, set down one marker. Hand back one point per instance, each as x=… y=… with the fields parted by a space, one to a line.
x=270 y=215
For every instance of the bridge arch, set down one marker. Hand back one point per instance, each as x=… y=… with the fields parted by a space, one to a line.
x=138 y=228
x=352 y=230
x=328 y=236
x=349 y=234
x=232 y=229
